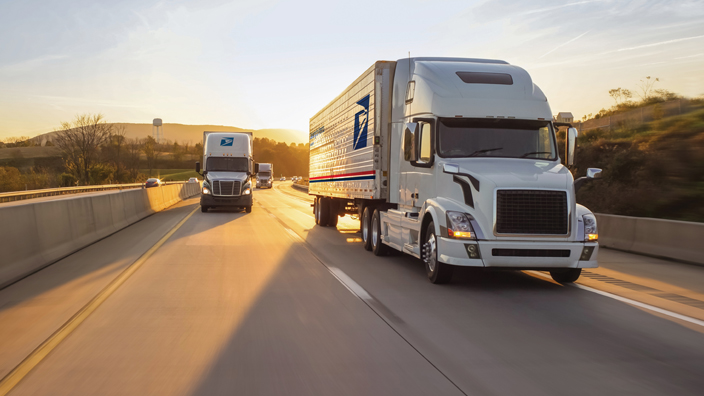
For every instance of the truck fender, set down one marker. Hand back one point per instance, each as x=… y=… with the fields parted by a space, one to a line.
x=432 y=213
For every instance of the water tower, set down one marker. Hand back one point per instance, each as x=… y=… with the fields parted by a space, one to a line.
x=157 y=131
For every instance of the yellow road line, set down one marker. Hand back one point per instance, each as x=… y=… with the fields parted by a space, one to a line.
x=31 y=361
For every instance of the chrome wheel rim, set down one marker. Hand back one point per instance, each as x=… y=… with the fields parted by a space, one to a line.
x=375 y=232
x=430 y=253
x=365 y=226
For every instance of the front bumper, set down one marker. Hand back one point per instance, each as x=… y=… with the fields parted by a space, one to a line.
x=453 y=251
x=210 y=200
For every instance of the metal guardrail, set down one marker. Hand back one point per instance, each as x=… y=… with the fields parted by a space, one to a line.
x=48 y=192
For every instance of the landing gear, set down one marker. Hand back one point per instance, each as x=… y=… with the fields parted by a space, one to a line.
x=437 y=272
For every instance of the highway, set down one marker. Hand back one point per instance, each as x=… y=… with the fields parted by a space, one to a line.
x=267 y=303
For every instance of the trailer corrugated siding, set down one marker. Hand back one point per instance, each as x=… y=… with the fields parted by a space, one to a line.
x=344 y=160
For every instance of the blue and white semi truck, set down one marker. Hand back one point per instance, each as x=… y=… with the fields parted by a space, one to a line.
x=453 y=161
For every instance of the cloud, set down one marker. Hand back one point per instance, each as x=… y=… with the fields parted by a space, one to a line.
x=565 y=43
x=658 y=43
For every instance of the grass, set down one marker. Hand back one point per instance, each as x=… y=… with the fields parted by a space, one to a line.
x=171 y=174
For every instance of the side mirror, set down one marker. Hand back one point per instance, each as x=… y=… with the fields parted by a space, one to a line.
x=409 y=142
x=256 y=168
x=198 y=167
x=571 y=145
x=594 y=173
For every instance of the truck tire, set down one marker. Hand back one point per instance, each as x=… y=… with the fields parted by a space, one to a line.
x=332 y=212
x=378 y=247
x=365 y=225
x=248 y=209
x=437 y=272
x=323 y=212
x=204 y=209
x=565 y=275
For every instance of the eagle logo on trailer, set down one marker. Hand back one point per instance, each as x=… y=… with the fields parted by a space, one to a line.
x=361 y=120
x=227 y=141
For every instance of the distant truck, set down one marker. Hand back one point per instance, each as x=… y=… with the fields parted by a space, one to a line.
x=228 y=168
x=453 y=161
x=265 y=175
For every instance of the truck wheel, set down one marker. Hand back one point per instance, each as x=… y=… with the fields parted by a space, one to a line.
x=322 y=212
x=378 y=247
x=437 y=272
x=332 y=210
x=204 y=209
x=566 y=275
x=366 y=225
x=248 y=209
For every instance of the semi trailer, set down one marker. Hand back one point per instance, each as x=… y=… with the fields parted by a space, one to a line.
x=453 y=161
x=228 y=168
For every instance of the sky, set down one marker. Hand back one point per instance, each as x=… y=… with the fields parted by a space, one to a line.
x=273 y=64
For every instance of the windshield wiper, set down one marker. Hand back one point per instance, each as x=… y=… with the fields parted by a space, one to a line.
x=535 y=152
x=484 y=151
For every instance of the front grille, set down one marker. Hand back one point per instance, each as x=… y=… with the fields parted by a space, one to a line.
x=531 y=212
x=226 y=188
x=530 y=252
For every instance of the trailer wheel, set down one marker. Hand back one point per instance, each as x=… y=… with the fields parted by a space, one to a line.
x=437 y=272
x=332 y=212
x=322 y=211
x=566 y=275
x=366 y=224
x=378 y=247
x=204 y=209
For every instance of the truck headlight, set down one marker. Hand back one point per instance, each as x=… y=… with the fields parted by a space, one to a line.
x=205 y=190
x=591 y=234
x=247 y=191
x=458 y=226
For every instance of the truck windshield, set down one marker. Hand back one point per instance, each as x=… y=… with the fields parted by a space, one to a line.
x=227 y=164
x=496 y=138
x=264 y=174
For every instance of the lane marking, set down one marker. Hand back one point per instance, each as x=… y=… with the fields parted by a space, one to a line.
x=350 y=284
x=30 y=362
x=629 y=301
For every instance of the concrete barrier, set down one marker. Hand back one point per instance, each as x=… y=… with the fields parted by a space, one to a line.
x=34 y=235
x=679 y=240
x=300 y=187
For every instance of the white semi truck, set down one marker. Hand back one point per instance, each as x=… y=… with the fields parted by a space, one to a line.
x=453 y=161
x=265 y=175
x=228 y=168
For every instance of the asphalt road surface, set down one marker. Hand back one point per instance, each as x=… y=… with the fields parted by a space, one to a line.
x=267 y=303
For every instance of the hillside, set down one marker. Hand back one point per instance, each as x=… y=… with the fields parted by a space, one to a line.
x=194 y=133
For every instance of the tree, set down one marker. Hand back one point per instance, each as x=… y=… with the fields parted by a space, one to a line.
x=10 y=179
x=114 y=149
x=80 y=142
x=151 y=148
x=646 y=87
x=620 y=95
x=134 y=152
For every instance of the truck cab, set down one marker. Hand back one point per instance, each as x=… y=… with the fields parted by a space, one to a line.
x=228 y=168
x=480 y=180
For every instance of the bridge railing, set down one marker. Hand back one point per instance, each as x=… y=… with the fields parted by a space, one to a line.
x=48 y=192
